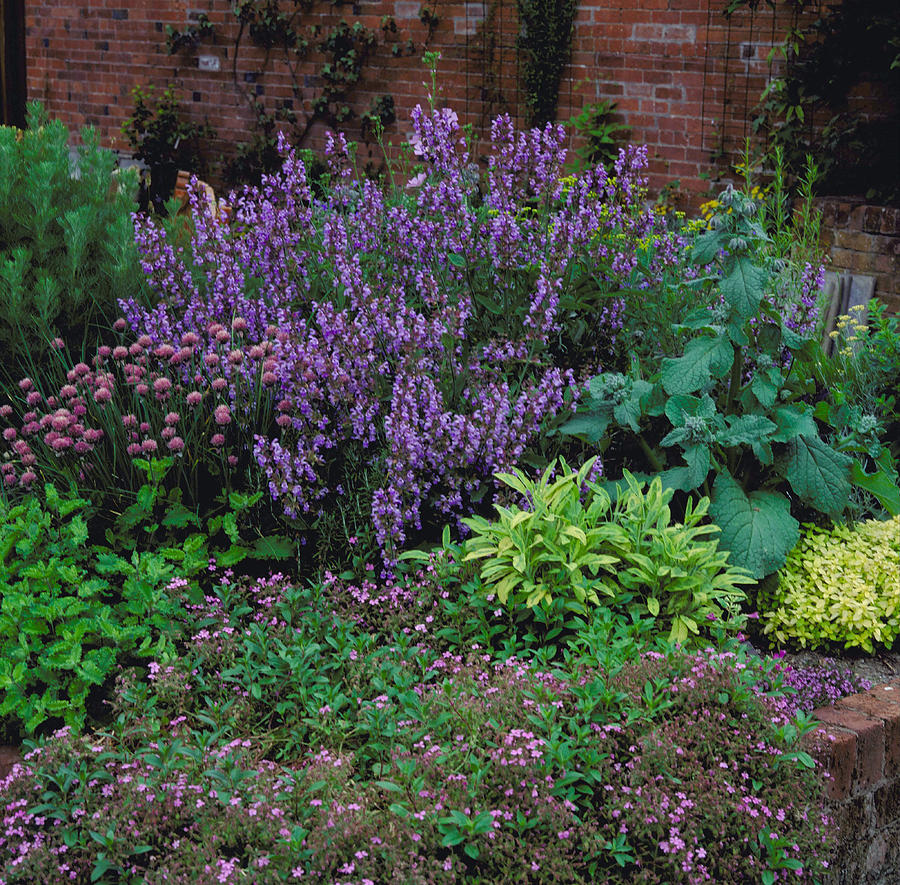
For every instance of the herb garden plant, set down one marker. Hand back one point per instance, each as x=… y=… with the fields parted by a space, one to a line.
x=334 y=379
x=731 y=416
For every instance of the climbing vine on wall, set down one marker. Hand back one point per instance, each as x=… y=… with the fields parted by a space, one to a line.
x=291 y=32
x=818 y=103
x=545 y=42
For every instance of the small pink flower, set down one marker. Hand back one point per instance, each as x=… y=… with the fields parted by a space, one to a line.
x=171 y=418
x=129 y=421
x=120 y=352
x=26 y=384
x=104 y=351
x=144 y=427
x=68 y=391
x=145 y=341
x=58 y=344
x=61 y=443
x=189 y=339
x=5 y=411
x=82 y=448
x=176 y=444
x=142 y=389
x=211 y=359
x=120 y=325
x=218 y=439
x=33 y=398
x=28 y=477
x=222 y=336
x=102 y=395
x=9 y=434
x=82 y=369
x=162 y=386
x=238 y=324
x=269 y=378
x=222 y=415
x=135 y=349
x=149 y=445
x=167 y=432
x=164 y=351
x=232 y=460
x=134 y=449
x=256 y=352
x=219 y=384
x=283 y=420
x=235 y=357
x=194 y=397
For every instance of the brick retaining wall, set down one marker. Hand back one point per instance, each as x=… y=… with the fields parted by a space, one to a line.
x=858 y=742
x=865 y=240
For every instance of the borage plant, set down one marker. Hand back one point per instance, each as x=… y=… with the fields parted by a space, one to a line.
x=731 y=417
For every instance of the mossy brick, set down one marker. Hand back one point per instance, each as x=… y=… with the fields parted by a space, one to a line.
x=868 y=745
x=888 y=710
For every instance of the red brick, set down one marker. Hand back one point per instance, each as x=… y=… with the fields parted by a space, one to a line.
x=886 y=709
x=868 y=766
x=835 y=749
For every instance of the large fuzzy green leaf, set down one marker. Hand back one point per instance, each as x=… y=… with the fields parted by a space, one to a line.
x=743 y=286
x=817 y=473
x=702 y=358
x=757 y=528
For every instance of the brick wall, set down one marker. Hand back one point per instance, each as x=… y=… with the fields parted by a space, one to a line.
x=865 y=240
x=858 y=741
x=685 y=78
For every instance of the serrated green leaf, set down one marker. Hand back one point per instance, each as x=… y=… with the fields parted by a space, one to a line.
x=745 y=430
x=707 y=246
x=273 y=547
x=792 y=421
x=819 y=474
x=743 y=286
x=757 y=529
x=703 y=357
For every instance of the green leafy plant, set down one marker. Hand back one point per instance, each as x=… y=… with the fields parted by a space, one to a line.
x=68 y=616
x=66 y=239
x=163 y=140
x=730 y=417
x=839 y=585
x=602 y=134
x=573 y=542
x=813 y=106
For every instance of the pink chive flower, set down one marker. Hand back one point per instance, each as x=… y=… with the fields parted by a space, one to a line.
x=171 y=418
x=26 y=384
x=189 y=339
x=211 y=359
x=232 y=460
x=145 y=341
x=120 y=352
x=235 y=357
x=269 y=378
x=120 y=325
x=142 y=389
x=102 y=395
x=222 y=336
x=33 y=398
x=222 y=415
x=161 y=387
x=28 y=477
x=5 y=411
x=219 y=384
x=9 y=434
x=256 y=352
x=218 y=439
x=239 y=324
x=194 y=397
x=61 y=443
x=104 y=350
x=82 y=369
x=135 y=349
x=149 y=445
x=134 y=449
x=176 y=444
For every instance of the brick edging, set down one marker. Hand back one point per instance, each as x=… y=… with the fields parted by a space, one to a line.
x=857 y=741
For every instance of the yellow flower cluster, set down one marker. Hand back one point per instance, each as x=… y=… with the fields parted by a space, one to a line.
x=849 y=329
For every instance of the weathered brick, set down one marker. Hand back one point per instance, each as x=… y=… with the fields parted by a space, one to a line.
x=877 y=707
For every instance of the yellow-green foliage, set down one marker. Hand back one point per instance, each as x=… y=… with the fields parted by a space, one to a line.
x=838 y=585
